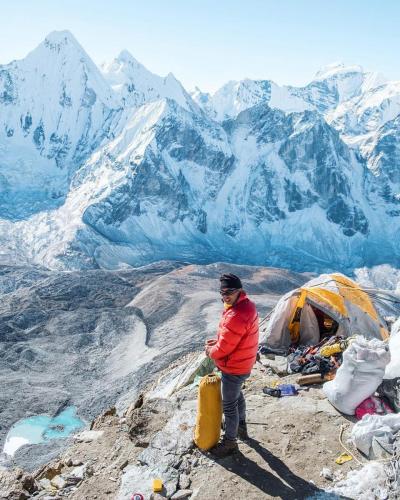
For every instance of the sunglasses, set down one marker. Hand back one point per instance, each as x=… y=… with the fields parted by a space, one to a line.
x=227 y=292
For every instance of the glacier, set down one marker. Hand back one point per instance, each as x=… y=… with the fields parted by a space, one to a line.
x=116 y=166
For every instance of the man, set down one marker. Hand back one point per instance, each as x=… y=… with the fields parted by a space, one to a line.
x=234 y=352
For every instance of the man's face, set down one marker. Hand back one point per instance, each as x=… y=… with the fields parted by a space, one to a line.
x=230 y=295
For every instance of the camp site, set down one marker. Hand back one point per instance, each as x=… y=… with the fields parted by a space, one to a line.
x=200 y=250
x=322 y=401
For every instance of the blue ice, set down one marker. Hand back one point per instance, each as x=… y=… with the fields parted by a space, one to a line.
x=42 y=428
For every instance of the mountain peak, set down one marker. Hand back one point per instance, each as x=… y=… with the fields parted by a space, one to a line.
x=60 y=36
x=172 y=79
x=59 y=45
x=336 y=68
x=125 y=57
x=58 y=39
x=137 y=85
x=124 y=65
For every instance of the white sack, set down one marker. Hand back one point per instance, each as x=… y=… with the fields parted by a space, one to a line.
x=366 y=483
x=360 y=374
x=380 y=427
x=393 y=368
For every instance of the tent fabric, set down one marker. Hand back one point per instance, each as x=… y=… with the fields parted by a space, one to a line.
x=278 y=324
x=333 y=300
x=294 y=325
x=309 y=326
x=335 y=295
x=353 y=293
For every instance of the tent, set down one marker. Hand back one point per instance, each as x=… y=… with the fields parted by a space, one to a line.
x=329 y=304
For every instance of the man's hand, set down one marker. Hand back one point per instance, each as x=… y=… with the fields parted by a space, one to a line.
x=208 y=345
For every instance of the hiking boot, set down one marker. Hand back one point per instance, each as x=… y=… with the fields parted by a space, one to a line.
x=242 y=431
x=224 y=448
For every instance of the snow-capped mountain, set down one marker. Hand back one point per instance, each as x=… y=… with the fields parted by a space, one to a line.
x=55 y=109
x=331 y=86
x=366 y=112
x=235 y=97
x=137 y=86
x=335 y=84
x=255 y=173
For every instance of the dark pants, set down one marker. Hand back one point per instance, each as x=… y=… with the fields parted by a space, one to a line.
x=233 y=403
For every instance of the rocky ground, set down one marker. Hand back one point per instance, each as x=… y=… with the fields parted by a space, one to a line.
x=93 y=339
x=291 y=454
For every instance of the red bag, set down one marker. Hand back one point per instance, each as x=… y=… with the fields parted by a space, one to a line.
x=372 y=406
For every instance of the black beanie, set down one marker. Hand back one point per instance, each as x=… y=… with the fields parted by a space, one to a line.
x=230 y=281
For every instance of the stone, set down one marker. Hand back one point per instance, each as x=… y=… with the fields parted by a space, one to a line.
x=45 y=484
x=140 y=479
x=89 y=471
x=279 y=365
x=124 y=464
x=76 y=475
x=181 y=494
x=74 y=463
x=88 y=436
x=28 y=483
x=59 y=482
x=13 y=484
x=184 y=481
x=185 y=465
x=68 y=489
x=51 y=471
x=327 y=474
x=110 y=412
x=18 y=473
x=168 y=445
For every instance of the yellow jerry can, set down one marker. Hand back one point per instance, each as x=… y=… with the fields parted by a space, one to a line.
x=209 y=412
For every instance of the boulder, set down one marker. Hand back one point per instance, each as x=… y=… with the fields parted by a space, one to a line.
x=16 y=485
x=278 y=365
x=59 y=482
x=161 y=458
x=88 y=436
x=184 y=481
x=50 y=471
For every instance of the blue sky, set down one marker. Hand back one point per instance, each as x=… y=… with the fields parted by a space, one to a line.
x=207 y=43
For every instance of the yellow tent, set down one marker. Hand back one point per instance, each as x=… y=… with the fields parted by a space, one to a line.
x=332 y=298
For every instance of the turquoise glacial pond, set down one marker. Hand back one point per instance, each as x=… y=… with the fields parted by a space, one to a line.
x=42 y=428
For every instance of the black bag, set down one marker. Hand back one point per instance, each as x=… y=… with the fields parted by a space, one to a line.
x=390 y=390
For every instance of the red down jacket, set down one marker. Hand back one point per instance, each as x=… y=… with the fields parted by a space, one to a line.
x=237 y=339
